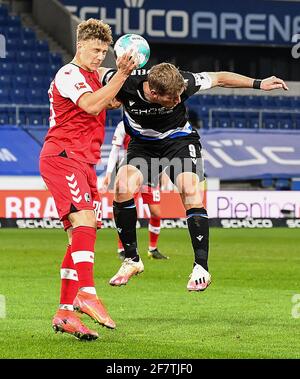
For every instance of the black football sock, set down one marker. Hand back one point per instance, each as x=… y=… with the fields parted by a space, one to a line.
x=197 y=221
x=125 y=219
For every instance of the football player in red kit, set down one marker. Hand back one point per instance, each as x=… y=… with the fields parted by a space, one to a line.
x=67 y=164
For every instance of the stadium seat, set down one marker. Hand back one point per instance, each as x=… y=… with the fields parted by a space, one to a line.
x=5 y=68
x=282 y=184
x=4 y=119
x=253 y=101
x=5 y=82
x=41 y=45
x=55 y=58
x=239 y=120
x=40 y=57
x=28 y=33
x=270 y=122
x=5 y=96
x=20 y=81
x=18 y=96
x=24 y=56
x=268 y=101
x=237 y=101
x=286 y=122
x=267 y=182
x=22 y=69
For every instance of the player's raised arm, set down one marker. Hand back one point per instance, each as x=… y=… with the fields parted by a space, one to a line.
x=233 y=80
x=94 y=103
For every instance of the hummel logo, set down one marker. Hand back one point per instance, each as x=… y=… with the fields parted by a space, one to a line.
x=200 y=238
x=131 y=103
x=119 y=230
x=194 y=160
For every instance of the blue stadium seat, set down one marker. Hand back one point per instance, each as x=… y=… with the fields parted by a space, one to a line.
x=282 y=184
x=3 y=10
x=268 y=101
x=35 y=119
x=28 y=45
x=24 y=56
x=5 y=81
x=13 y=21
x=5 y=68
x=295 y=102
x=38 y=69
x=40 y=57
x=297 y=121
x=13 y=32
x=222 y=100
x=22 y=69
x=36 y=96
x=5 y=96
x=253 y=121
x=28 y=33
x=267 y=182
x=286 y=121
x=41 y=45
x=239 y=120
x=10 y=56
x=18 y=96
x=13 y=44
x=4 y=119
x=283 y=102
x=20 y=81
x=253 y=101
x=37 y=82
x=56 y=58
x=237 y=101
x=209 y=100
x=270 y=122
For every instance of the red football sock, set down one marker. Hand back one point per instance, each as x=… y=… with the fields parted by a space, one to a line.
x=83 y=247
x=69 y=279
x=154 y=230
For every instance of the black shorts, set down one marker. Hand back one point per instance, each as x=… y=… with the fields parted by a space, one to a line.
x=174 y=156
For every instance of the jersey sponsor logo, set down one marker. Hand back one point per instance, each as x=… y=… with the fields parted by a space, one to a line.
x=80 y=86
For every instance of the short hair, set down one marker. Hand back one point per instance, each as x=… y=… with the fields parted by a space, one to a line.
x=165 y=79
x=94 y=29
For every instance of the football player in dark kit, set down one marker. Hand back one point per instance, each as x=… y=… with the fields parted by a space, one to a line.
x=162 y=139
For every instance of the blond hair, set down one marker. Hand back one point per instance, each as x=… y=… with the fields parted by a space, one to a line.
x=94 y=29
x=165 y=79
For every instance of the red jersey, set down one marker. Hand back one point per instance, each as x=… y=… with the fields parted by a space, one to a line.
x=73 y=130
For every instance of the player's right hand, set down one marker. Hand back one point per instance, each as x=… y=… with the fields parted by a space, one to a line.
x=127 y=63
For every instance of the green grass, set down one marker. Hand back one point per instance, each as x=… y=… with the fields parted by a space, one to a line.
x=245 y=313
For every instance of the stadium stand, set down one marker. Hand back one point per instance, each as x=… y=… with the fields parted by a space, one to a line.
x=31 y=64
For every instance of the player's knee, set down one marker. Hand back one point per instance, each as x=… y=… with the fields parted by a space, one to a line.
x=83 y=218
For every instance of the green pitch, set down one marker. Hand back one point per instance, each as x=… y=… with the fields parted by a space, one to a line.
x=245 y=313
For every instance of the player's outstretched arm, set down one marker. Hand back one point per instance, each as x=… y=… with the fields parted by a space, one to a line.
x=233 y=80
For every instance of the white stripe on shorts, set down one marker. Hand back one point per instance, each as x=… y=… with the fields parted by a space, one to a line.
x=83 y=256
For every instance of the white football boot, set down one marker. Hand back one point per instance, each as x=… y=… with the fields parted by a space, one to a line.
x=126 y=271
x=200 y=279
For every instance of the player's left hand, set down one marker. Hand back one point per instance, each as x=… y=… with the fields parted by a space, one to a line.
x=273 y=82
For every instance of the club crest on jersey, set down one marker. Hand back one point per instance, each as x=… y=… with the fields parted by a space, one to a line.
x=87 y=197
x=80 y=85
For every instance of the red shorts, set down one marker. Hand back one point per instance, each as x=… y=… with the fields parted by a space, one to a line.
x=149 y=195
x=73 y=185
